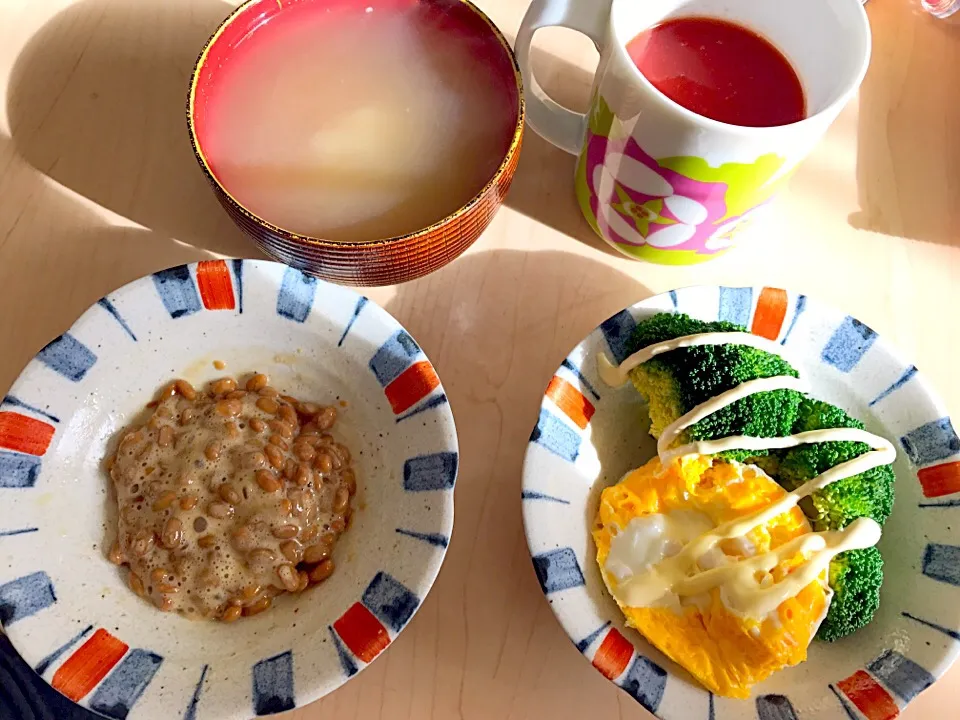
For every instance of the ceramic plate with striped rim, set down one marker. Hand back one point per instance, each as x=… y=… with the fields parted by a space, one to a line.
x=68 y=611
x=588 y=435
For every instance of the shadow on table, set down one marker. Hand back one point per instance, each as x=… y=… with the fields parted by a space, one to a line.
x=543 y=186
x=905 y=186
x=497 y=324
x=101 y=110
x=76 y=242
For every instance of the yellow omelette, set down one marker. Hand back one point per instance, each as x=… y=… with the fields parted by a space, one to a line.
x=726 y=652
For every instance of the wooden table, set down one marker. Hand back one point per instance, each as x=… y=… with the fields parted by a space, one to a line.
x=98 y=187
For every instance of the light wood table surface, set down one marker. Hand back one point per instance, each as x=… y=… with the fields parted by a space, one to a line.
x=98 y=187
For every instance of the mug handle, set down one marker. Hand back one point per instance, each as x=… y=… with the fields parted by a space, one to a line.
x=556 y=124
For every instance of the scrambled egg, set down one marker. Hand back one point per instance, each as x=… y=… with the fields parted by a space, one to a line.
x=726 y=652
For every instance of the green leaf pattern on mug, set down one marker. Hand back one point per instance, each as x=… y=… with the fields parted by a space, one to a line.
x=600 y=120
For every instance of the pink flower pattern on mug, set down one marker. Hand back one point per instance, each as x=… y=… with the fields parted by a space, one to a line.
x=637 y=202
x=674 y=203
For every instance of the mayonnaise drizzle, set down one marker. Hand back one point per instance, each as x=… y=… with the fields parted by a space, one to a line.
x=616 y=375
x=739 y=588
x=740 y=594
x=718 y=402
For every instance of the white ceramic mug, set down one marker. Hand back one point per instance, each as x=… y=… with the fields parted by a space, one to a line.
x=657 y=181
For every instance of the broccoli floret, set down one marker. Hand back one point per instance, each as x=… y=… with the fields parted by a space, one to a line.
x=869 y=494
x=675 y=382
x=855 y=577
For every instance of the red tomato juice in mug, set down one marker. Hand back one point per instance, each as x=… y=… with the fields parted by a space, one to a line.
x=720 y=70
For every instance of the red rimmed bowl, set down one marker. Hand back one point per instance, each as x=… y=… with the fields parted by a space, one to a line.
x=377 y=261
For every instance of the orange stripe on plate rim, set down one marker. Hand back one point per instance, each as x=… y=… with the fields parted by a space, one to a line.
x=216 y=285
x=411 y=386
x=91 y=662
x=613 y=655
x=24 y=434
x=869 y=697
x=940 y=480
x=770 y=313
x=362 y=632
x=571 y=401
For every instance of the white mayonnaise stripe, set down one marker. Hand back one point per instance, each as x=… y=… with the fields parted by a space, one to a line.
x=860 y=534
x=708 y=579
x=737 y=581
x=616 y=375
x=739 y=588
x=742 y=525
x=858 y=465
x=749 y=442
x=643 y=589
x=718 y=402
